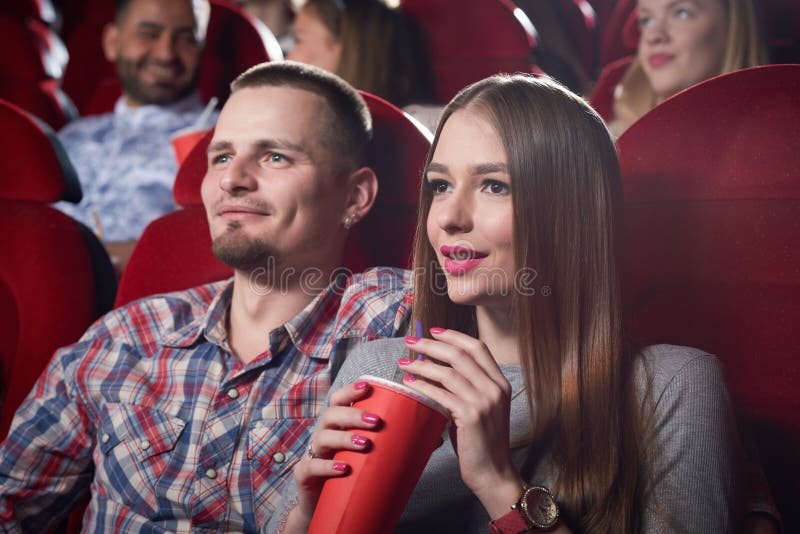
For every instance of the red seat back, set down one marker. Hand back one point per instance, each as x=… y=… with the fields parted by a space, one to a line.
x=57 y=272
x=42 y=10
x=45 y=99
x=602 y=98
x=181 y=240
x=235 y=41
x=613 y=41
x=468 y=40
x=712 y=226
x=38 y=52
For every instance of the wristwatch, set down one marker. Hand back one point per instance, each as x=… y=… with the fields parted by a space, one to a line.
x=538 y=506
x=535 y=509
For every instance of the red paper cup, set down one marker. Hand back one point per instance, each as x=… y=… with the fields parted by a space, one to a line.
x=372 y=497
x=184 y=141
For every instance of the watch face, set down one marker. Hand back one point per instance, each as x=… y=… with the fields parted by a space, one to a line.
x=542 y=508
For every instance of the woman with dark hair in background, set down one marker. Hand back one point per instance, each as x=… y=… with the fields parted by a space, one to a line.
x=373 y=46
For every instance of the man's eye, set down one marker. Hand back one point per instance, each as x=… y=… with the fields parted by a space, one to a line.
x=683 y=13
x=221 y=159
x=274 y=157
x=438 y=186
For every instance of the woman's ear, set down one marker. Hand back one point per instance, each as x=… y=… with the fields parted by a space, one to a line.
x=363 y=190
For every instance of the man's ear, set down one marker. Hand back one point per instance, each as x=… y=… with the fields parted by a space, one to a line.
x=363 y=190
x=111 y=41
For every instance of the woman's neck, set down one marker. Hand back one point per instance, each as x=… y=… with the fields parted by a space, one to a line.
x=496 y=330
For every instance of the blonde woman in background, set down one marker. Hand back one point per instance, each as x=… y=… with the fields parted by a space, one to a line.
x=682 y=43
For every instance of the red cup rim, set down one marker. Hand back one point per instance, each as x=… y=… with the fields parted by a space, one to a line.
x=405 y=391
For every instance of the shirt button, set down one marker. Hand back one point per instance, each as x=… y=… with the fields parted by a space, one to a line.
x=105 y=438
x=211 y=473
x=233 y=393
x=279 y=457
x=144 y=444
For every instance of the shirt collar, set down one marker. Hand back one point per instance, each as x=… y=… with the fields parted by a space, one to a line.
x=211 y=323
x=307 y=330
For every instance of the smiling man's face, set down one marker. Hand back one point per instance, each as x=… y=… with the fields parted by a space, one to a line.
x=155 y=47
x=270 y=190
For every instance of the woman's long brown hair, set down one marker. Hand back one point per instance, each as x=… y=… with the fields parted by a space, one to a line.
x=565 y=188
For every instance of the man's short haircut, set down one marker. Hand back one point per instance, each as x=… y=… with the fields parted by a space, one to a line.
x=345 y=124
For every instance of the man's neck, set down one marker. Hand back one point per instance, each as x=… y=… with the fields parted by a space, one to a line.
x=256 y=309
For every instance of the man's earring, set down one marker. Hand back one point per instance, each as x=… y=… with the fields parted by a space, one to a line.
x=349 y=220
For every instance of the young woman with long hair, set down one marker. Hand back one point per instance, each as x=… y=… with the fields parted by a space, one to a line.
x=516 y=282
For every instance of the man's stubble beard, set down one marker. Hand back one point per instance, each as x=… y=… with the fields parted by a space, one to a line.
x=128 y=75
x=240 y=252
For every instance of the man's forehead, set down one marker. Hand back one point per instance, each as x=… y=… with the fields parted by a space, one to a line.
x=253 y=114
x=175 y=13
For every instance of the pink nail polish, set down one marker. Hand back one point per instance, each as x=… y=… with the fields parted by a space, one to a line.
x=411 y=340
x=360 y=385
x=370 y=418
x=409 y=378
x=436 y=330
x=339 y=466
x=359 y=440
x=403 y=361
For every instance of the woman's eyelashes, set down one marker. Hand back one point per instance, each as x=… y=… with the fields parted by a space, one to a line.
x=438 y=186
x=495 y=187
x=488 y=185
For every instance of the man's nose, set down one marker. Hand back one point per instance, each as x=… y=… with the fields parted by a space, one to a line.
x=238 y=178
x=164 y=48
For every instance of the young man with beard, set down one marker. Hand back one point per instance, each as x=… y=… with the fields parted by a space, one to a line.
x=187 y=411
x=124 y=159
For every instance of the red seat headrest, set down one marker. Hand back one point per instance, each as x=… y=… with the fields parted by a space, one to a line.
x=47 y=174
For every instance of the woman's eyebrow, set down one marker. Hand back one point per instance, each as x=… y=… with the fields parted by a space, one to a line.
x=490 y=168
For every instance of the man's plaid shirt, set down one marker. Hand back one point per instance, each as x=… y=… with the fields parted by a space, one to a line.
x=169 y=430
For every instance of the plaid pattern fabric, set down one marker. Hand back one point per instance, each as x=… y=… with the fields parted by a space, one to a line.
x=174 y=432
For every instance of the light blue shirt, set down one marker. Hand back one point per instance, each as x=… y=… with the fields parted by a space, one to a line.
x=126 y=165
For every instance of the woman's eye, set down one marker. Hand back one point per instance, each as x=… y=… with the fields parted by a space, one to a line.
x=644 y=21
x=683 y=13
x=438 y=186
x=495 y=187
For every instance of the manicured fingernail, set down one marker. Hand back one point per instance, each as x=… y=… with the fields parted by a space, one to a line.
x=370 y=418
x=403 y=361
x=360 y=385
x=339 y=466
x=436 y=330
x=409 y=378
x=411 y=340
x=359 y=440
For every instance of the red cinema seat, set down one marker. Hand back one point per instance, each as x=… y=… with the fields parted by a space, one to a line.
x=38 y=52
x=614 y=41
x=45 y=99
x=712 y=228
x=235 y=41
x=42 y=10
x=602 y=98
x=182 y=245
x=468 y=40
x=58 y=273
